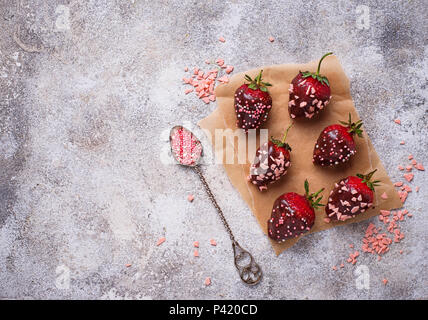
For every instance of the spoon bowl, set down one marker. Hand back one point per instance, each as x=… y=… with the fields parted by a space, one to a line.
x=185 y=147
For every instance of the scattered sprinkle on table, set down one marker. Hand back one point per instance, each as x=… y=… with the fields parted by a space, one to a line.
x=385 y=281
x=196 y=244
x=397 y=121
x=213 y=242
x=420 y=167
x=271 y=39
x=222 y=39
x=408 y=176
x=196 y=253
x=128 y=265
x=160 y=241
x=207 y=281
x=203 y=82
x=190 y=198
x=229 y=69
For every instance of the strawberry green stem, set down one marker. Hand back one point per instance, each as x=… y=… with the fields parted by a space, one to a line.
x=259 y=78
x=319 y=63
x=366 y=179
x=313 y=199
x=285 y=134
x=370 y=175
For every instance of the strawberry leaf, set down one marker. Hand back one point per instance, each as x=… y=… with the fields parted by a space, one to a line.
x=366 y=179
x=252 y=86
x=257 y=82
x=354 y=127
x=280 y=144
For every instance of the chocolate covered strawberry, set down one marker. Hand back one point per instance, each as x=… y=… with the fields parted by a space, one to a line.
x=336 y=143
x=309 y=93
x=351 y=196
x=252 y=103
x=270 y=163
x=293 y=214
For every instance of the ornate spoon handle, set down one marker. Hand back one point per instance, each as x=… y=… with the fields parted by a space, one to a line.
x=249 y=271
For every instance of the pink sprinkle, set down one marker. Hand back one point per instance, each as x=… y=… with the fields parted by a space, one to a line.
x=402 y=142
x=213 y=242
x=409 y=176
x=190 y=198
x=355 y=209
x=128 y=265
x=401 y=251
x=385 y=281
x=327 y=220
x=408 y=168
x=196 y=244
x=410 y=157
x=384 y=196
x=334 y=268
x=186 y=69
x=223 y=79
x=207 y=281
x=196 y=253
x=420 y=167
x=342 y=265
x=187 y=91
x=398 y=184
x=385 y=212
x=271 y=39
x=229 y=69
x=351 y=246
x=221 y=39
x=220 y=62
x=407 y=188
x=397 y=121
x=417 y=189
x=400 y=168
x=160 y=241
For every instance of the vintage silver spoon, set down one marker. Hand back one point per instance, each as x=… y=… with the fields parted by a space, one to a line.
x=187 y=151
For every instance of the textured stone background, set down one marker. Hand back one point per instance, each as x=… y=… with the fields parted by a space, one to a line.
x=86 y=100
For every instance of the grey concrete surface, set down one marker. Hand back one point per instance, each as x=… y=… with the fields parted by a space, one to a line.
x=88 y=90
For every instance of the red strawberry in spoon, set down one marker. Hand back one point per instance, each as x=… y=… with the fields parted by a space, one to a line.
x=336 y=143
x=309 y=93
x=293 y=214
x=351 y=196
x=252 y=103
x=270 y=163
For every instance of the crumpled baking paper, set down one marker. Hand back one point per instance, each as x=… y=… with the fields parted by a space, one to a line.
x=301 y=137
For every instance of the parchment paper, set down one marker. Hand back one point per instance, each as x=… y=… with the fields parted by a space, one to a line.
x=301 y=138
